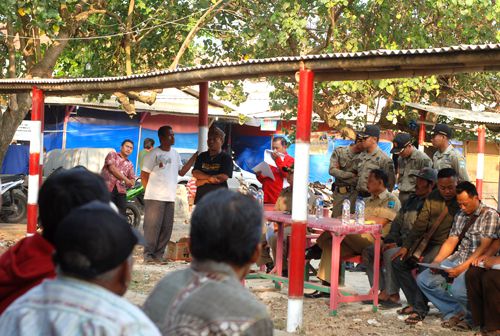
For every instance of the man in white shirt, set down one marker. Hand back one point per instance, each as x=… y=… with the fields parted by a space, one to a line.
x=93 y=256
x=159 y=177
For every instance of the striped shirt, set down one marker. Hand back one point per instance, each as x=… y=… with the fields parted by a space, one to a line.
x=67 y=306
x=485 y=226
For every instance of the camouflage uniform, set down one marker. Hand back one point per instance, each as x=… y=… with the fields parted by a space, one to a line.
x=410 y=165
x=343 y=165
x=451 y=158
x=376 y=160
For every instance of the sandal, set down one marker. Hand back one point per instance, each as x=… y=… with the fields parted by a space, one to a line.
x=405 y=311
x=462 y=326
x=413 y=318
x=453 y=321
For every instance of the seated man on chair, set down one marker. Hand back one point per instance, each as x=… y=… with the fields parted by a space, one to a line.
x=381 y=208
x=389 y=290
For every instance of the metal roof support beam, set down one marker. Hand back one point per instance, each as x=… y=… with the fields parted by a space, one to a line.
x=481 y=141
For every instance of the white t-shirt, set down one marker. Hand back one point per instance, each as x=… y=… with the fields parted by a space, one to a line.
x=163 y=168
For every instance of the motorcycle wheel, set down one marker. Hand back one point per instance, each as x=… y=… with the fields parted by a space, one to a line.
x=133 y=214
x=21 y=205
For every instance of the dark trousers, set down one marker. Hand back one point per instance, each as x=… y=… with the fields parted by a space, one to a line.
x=120 y=201
x=406 y=281
x=158 y=225
x=483 y=293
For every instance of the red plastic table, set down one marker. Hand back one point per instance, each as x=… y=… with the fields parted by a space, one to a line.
x=338 y=231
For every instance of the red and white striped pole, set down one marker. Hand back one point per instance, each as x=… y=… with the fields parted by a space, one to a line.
x=421 y=132
x=299 y=208
x=36 y=159
x=481 y=141
x=203 y=117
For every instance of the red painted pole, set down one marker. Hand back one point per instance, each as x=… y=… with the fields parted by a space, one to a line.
x=203 y=117
x=421 y=132
x=36 y=159
x=481 y=141
x=299 y=209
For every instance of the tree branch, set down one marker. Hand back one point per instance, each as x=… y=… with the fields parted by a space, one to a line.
x=193 y=32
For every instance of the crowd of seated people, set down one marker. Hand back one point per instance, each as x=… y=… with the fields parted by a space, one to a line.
x=70 y=279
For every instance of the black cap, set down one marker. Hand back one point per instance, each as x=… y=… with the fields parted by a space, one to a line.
x=370 y=130
x=442 y=129
x=401 y=140
x=92 y=240
x=426 y=173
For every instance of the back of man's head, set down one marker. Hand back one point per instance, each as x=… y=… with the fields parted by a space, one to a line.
x=226 y=227
x=65 y=190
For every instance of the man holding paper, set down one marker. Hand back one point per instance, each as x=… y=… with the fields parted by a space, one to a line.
x=474 y=228
x=270 y=172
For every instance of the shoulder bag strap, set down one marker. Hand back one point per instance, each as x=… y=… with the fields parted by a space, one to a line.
x=437 y=222
x=469 y=223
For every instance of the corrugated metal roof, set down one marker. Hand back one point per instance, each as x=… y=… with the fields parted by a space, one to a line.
x=337 y=66
x=461 y=114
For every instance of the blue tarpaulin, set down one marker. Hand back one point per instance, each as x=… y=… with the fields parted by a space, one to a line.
x=16 y=160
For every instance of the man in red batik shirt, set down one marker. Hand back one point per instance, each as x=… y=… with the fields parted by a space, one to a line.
x=272 y=188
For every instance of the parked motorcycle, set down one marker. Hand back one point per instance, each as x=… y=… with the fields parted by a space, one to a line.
x=135 y=204
x=14 y=198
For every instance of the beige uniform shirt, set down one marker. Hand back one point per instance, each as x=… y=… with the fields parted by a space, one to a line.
x=411 y=165
x=376 y=160
x=385 y=205
x=343 y=166
x=451 y=158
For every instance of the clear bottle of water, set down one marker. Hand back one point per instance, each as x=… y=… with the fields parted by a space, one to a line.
x=260 y=197
x=319 y=207
x=360 y=211
x=346 y=211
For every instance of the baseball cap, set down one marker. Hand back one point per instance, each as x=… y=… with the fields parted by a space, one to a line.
x=93 y=239
x=401 y=140
x=426 y=173
x=442 y=129
x=370 y=130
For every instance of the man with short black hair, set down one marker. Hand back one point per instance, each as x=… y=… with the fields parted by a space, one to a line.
x=29 y=262
x=148 y=147
x=446 y=155
x=159 y=177
x=94 y=248
x=214 y=167
x=381 y=208
x=207 y=298
x=402 y=224
x=474 y=229
x=118 y=173
x=439 y=209
x=272 y=187
x=410 y=162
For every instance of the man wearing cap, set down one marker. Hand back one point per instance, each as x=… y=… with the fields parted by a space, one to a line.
x=214 y=167
x=343 y=166
x=402 y=224
x=273 y=187
x=439 y=209
x=93 y=255
x=371 y=158
x=207 y=298
x=410 y=162
x=159 y=176
x=446 y=155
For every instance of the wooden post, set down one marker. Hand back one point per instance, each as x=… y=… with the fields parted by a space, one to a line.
x=203 y=117
x=481 y=140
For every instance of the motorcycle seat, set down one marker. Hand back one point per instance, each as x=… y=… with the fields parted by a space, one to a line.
x=11 y=177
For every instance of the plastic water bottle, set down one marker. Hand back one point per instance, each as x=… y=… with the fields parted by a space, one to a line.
x=319 y=207
x=360 y=211
x=346 y=211
x=260 y=197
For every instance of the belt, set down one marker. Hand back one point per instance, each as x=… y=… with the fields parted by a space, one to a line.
x=343 y=189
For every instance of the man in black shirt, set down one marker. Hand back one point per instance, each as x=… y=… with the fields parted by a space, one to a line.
x=213 y=167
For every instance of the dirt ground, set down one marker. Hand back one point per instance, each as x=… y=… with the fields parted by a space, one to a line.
x=352 y=319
